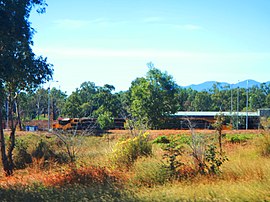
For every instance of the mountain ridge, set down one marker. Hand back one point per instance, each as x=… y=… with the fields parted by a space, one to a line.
x=207 y=85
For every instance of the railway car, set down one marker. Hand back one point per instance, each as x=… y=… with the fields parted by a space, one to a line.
x=85 y=124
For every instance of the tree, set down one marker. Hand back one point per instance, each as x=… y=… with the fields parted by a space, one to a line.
x=72 y=105
x=154 y=97
x=57 y=98
x=20 y=69
x=189 y=96
x=202 y=101
x=41 y=102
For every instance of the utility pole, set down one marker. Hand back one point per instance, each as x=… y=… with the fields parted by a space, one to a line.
x=237 y=124
x=49 y=107
x=231 y=106
x=231 y=99
x=247 y=108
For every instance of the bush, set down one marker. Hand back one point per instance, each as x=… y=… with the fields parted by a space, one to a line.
x=173 y=148
x=127 y=151
x=239 y=138
x=161 y=140
x=45 y=153
x=21 y=157
x=43 y=150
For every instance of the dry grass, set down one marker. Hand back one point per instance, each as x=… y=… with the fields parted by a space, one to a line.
x=245 y=177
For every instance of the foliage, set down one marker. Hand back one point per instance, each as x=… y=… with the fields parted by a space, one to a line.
x=202 y=101
x=207 y=159
x=213 y=160
x=172 y=151
x=161 y=140
x=45 y=154
x=173 y=147
x=21 y=157
x=91 y=101
x=126 y=152
x=136 y=127
x=105 y=120
x=238 y=138
x=20 y=69
x=154 y=97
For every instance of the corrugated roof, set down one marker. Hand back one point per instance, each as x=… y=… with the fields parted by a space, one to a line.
x=207 y=113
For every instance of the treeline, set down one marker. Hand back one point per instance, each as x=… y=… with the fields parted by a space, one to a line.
x=148 y=100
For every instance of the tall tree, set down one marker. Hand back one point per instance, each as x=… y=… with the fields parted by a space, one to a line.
x=202 y=101
x=20 y=69
x=154 y=97
x=57 y=98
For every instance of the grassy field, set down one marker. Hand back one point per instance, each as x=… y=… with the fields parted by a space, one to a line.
x=95 y=177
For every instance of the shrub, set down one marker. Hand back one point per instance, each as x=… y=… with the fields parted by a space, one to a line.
x=43 y=150
x=44 y=153
x=239 y=138
x=21 y=157
x=214 y=160
x=127 y=151
x=173 y=148
x=161 y=140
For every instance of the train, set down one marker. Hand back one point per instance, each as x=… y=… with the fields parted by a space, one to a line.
x=199 y=120
x=85 y=124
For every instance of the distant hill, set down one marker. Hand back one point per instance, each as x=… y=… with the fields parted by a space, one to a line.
x=208 y=85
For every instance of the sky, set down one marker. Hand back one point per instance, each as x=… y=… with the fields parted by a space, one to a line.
x=111 y=41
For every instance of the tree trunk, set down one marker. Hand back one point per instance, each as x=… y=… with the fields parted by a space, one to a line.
x=6 y=166
x=18 y=113
x=220 y=141
x=11 y=145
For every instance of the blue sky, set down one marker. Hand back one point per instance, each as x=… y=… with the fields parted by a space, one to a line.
x=111 y=41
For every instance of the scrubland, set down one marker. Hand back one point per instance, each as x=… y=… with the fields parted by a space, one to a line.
x=105 y=170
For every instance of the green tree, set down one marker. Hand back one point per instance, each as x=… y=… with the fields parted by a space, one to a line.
x=57 y=98
x=40 y=102
x=73 y=105
x=190 y=96
x=154 y=97
x=202 y=101
x=20 y=69
x=105 y=120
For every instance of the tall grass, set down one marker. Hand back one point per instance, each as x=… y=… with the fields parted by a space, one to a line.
x=211 y=191
x=245 y=177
